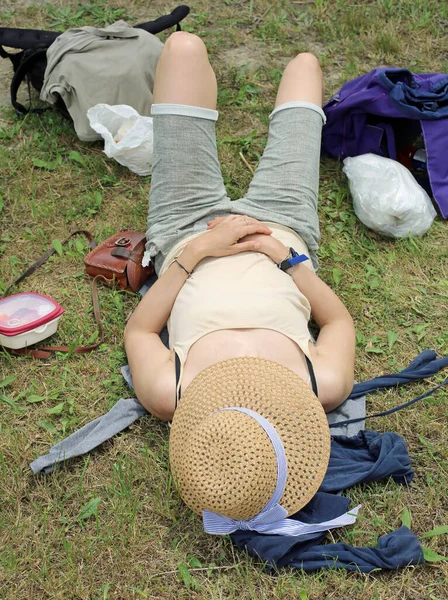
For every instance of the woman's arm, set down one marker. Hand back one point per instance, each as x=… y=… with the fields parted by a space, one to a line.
x=334 y=351
x=152 y=365
x=155 y=307
x=335 y=345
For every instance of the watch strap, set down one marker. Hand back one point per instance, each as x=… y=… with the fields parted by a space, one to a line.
x=292 y=260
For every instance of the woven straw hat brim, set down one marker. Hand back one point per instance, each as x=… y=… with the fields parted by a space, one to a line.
x=224 y=461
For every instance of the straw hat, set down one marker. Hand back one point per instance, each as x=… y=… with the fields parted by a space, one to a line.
x=224 y=462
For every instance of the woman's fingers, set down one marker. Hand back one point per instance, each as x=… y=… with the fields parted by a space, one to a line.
x=214 y=222
x=255 y=223
x=220 y=220
x=239 y=220
x=255 y=227
x=245 y=247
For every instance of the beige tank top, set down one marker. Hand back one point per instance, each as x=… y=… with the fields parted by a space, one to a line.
x=243 y=291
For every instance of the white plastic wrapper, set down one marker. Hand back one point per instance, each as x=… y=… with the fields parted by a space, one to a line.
x=128 y=137
x=387 y=198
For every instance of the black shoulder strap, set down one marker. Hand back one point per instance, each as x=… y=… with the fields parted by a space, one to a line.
x=177 y=359
x=26 y=39
x=312 y=376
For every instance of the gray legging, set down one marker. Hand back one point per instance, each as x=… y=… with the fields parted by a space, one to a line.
x=187 y=188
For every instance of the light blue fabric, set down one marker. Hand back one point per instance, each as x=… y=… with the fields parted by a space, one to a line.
x=272 y=512
x=426 y=364
x=84 y=440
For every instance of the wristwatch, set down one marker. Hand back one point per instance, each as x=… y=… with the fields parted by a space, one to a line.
x=291 y=260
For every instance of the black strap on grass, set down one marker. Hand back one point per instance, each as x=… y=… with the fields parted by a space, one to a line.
x=391 y=410
x=166 y=21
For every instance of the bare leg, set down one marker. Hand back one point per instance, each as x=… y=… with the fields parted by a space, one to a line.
x=285 y=185
x=184 y=74
x=301 y=80
x=186 y=183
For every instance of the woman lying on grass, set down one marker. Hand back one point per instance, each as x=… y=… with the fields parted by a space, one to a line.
x=218 y=261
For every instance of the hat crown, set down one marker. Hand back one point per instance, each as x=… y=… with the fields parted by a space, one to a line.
x=204 y=441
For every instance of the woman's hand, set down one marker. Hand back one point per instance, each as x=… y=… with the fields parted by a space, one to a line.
x=227 y=236
x=271 y=246
x=266 y=244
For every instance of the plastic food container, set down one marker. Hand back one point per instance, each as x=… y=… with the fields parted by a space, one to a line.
x=27 y=318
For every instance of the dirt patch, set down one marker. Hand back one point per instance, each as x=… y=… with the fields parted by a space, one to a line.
x=8 y=5
x=251 y=55
x=5 y=81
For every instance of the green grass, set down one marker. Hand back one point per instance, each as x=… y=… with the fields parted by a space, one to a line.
x=110 y=525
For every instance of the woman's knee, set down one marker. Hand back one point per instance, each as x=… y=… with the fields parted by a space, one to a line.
x=305 y=61
x=184 y=44
x=184 y=74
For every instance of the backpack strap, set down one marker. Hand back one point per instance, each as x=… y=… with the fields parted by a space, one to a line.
x=26 y=39
x=5 y=54
x=166 y=21
x=29 y=59
x=14 y=57
x=31 y=39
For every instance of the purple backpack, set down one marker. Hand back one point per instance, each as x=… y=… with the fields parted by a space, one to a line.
x=384 y=111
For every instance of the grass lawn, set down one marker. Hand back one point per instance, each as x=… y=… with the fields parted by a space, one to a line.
x=110 y=525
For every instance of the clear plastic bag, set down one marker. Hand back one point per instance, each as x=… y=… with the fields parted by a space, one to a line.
x=128 y=137
x=387 y=198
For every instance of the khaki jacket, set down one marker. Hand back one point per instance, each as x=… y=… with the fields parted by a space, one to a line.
x=88 y=66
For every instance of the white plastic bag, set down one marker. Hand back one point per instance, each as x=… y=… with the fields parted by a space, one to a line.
x=128 y=137
x=387 y=198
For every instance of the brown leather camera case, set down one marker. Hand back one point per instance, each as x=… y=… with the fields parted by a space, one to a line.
x=119 y=260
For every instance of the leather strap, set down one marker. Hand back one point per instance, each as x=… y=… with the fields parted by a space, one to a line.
x=125 y=253
x=40 y=261
x=45 y=351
